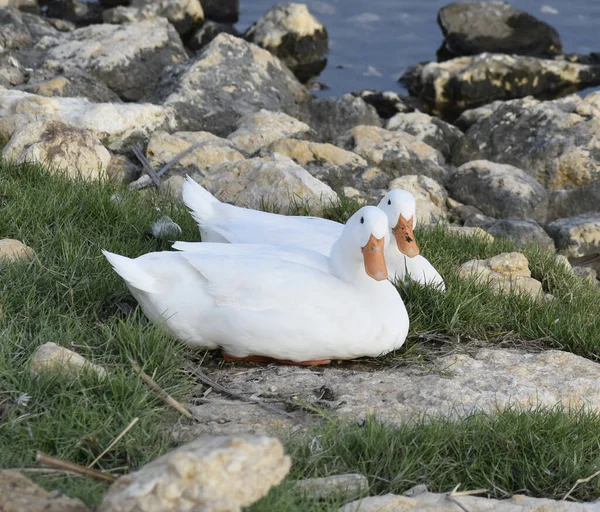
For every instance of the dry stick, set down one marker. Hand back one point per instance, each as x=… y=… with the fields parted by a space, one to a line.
x=468 y=493
x=179 y=156
x=224 y=390
x=146 y=165
x=162 y=394
x=115 y=441
x=580 y=481
x=64 y=465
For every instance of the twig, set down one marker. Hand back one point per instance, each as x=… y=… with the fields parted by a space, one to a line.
x=454 y=500
x=580 y=481
x=468 y=493
x=51 y=462
x=115 y=441
x=162 y=394
x=146 y=166
x=224 y=390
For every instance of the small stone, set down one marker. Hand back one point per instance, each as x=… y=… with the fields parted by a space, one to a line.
x=122 y=170
x=208 y=474
x=576 y=236
x=14 y=250
x=60 y=146
x=208 y=32
x=165 y=229
x=397 y=153
x=346 y=487
x=293 y=34
x=258 y=130
x=19 y=494
x=173 y=186
x=499 y=190
x=429 y=195
x=504 y=272
x=51 y=356
x=389 y=103
x=308 y=153
x=564 y=261
x=432 y=131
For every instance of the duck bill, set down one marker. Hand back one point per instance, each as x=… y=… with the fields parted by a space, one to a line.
x=405 y=238
x=373 y=254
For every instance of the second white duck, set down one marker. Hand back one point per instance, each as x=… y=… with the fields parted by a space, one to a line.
x=222 y=222
x=259 y=302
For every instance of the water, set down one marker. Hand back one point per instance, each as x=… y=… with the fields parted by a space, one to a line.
x=372 y=42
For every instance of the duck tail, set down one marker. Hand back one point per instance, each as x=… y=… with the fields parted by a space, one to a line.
x=199 y=200
x=187 y=246
x=132 y=273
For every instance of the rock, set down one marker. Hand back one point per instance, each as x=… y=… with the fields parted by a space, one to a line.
x=163 y=147
x=586 y=273
x=450 y=385
x=260 y=129
x=208 y=474
x=208 y=32
x=268 y=181
x=397 y=153
x=19 y=494
x=576 y=236
x=15 y=33
x=118 y=126
x=429 y=195
x=11 y=72
x=499 y=190
x=432 y=131
x=495 y=27
x=22 y=5
x=574 y=201
x=471 y=231
x=60 y=146
x=122 y=170
x=389 y=103
x=51 y=356
x=504 y=272
x=68 y=82
x=461 y=212
x=128 y=58
x=469 y=117
x=293 y=34
x=78 y=12
x=347 y=486
x=449 y=88
x=229 y=79
x=442 y=502
x=522 y=232
x=14 y=250
x=184 y=15
x=165 y=229
x=330 y=117
x=555 y=141
x=225 y=11
x=173 y=186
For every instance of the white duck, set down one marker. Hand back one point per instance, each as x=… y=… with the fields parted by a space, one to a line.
x=222 y=222
x=259 y=302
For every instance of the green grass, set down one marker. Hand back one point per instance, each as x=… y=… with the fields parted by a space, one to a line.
x=69 y=295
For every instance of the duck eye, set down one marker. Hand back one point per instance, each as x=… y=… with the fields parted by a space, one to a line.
x=389 y=201
x=362 y=220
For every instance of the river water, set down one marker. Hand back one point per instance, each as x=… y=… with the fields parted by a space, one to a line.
x=372 y=41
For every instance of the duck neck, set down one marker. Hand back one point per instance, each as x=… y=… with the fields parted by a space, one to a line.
x=345 y=266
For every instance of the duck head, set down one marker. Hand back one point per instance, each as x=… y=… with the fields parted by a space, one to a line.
x=367 y=230
x=400 y=208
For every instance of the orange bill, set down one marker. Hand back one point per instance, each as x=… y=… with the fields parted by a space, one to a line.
x=373 y=254
x=405 y=238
